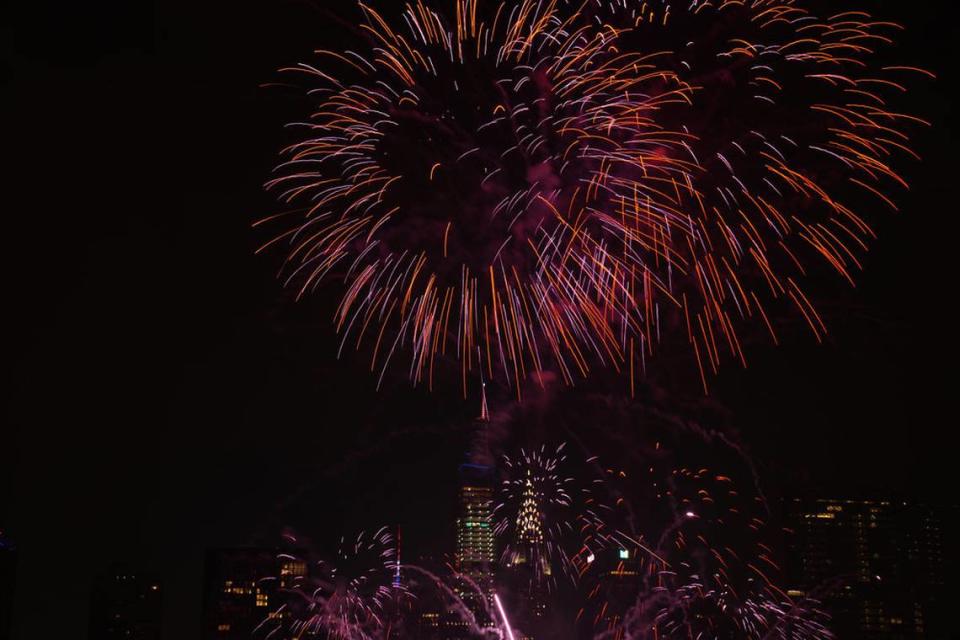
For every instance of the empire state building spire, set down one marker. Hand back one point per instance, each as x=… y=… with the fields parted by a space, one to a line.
x=475 y=540
x=484 y=410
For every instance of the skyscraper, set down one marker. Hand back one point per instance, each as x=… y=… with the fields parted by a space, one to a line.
x=528 y=558
x=241 y=590
x=474 y=555
x=475 y=552
x=877 y=565
x=125 y=604
x=620 y=573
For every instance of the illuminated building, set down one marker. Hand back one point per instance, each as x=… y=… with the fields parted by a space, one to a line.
x=474 y=533
x=241 y=590
x=475 y=551
x=620 y=574
x=876 y=564
x=528 y=558
x=474 y=555
x=125 y=604
x=8 y=569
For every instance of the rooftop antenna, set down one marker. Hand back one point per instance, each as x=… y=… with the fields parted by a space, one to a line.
x=484 y=410
x=396 y=571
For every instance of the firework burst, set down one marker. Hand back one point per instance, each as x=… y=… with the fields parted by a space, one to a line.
x=347 y=598
x=711 y=574
x=549 y=523
x=538 y=185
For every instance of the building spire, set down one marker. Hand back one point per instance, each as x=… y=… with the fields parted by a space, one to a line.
x=397 y=583
x=484 y=410
x=529 y=520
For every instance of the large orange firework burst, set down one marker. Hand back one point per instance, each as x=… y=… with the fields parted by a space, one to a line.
x=530 y=185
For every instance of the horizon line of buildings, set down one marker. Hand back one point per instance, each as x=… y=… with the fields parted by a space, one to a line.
x=877 y=565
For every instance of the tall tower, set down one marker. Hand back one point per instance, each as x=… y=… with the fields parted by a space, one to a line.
x=530 y=520
x=529 y=559
x=397 y=578
x=475 y=543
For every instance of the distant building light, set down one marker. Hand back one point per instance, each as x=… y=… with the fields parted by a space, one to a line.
x=691 y=514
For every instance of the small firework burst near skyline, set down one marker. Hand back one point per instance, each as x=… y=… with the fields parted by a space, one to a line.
x=550 y=516
x=701 y=564
x=348 y=597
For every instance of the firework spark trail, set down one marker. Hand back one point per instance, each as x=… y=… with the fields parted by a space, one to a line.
x=709 y=570
x=503 y=616
x=549 y=520
x=537 y=183
x=453 y=601
x=345 y=599
x=326 y=604
x=711 y=574
x=702 y=566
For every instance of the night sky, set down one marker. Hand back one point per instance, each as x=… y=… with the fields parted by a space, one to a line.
x=165 y=395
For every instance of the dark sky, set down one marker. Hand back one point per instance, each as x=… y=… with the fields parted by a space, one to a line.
x=164 y=395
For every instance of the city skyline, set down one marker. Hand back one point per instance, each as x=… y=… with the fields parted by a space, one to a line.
x=835 y=551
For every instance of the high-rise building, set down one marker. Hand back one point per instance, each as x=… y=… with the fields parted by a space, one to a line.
x=8 y=577
x=475 y=546
x=528 y=559
x=241 y=590
x=474 y=556
x=429 y=616
x=878 y=565
x=620 y=572
x=125 y=604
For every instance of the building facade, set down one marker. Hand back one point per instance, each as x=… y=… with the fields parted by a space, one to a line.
x=878 y=565
x=474 y=555
x=527 y=564
x=621 y=576
x=125 y=604
x=242 y=590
